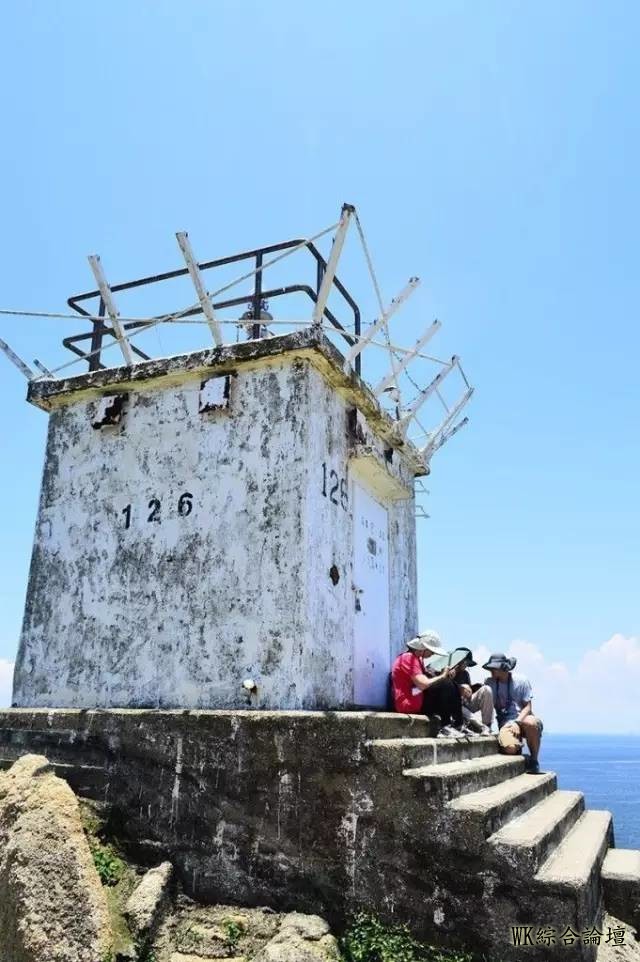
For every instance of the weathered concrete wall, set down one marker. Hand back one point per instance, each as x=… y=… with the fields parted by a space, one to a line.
x=179 y=553
x=336 y=459
x=179 y=609
x=295 y=810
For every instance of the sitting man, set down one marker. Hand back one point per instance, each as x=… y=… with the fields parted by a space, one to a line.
x=416 y=690
x=474 y=697
x=512 y=698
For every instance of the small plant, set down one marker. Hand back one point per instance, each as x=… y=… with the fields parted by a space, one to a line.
x=193 y=935
x=144 y=952
x=108 y=865
x=233 y=931
x=189 y=937
x=368 y=940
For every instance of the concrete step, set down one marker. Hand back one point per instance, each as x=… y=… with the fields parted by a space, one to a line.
x=479 y=814
x=580 y=855
x=621 y=884
x=451 y=779
x=393 y=754
x=382 y=724
x=526 y=842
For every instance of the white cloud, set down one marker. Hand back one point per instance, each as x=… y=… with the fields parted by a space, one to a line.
x=596 y=694
x=6 y=682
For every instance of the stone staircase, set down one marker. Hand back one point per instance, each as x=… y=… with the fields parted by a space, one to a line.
x=523 y=832
x=343 y=811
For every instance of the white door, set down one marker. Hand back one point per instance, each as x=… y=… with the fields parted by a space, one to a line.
x=371 y=654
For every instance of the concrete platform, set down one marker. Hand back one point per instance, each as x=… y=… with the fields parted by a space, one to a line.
x=318 y=812
x=621 y=884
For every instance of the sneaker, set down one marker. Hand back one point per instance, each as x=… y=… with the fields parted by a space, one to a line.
x=435 y=724
x=531 y=766
x=450 y=732
x=469 y=732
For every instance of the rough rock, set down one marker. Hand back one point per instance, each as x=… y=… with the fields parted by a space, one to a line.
x=52 y=905
x=198 y=933
x=145 y=904
x=301 y=938
x=628 y=952
x=306 y=926
x=179 y=957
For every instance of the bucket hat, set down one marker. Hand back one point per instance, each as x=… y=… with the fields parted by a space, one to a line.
x=469 y=662
x=500 y=661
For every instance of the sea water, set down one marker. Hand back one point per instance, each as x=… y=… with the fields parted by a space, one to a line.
x=606 y=768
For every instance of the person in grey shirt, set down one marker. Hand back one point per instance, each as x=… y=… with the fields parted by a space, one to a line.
x=512 y=697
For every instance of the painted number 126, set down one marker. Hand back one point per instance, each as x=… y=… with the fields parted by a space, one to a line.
x=154 y=508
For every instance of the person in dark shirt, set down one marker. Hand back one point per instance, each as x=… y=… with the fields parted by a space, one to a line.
x=475 y=698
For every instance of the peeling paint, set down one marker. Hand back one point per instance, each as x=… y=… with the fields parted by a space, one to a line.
x=181 y=553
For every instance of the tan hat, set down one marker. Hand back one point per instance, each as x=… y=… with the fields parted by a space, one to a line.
x=509 y=739
x=427 y=641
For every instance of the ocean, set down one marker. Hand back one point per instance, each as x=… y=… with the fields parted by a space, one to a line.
x=606 y=768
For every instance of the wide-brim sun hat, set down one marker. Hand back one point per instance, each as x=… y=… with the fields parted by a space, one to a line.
x=500 y=661
x=427 y=641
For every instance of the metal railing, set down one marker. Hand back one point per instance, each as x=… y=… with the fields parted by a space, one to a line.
x=100 y=329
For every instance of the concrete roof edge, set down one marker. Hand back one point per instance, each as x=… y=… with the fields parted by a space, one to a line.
x=49 y=394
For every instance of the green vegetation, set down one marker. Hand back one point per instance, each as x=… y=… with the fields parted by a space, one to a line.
x=234 y=931
x=108 y=863
x=145 y=953
x=368 y=940
x=118 y=877
x=189 y=937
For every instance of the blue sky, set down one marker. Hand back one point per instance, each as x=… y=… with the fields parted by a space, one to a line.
x=491 y=148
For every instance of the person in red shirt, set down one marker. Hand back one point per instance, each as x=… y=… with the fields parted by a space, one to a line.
x=408 y=679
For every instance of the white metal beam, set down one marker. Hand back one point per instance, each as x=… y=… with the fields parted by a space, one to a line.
x=112 y=311
x=332 y=263
x=424 y=395
x=433 y=445
x=19 y=363
x=44 y=370
x=406 y=360
x=194 y=272
x=381 y=321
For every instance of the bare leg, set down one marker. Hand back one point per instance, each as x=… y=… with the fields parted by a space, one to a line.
x=531 y=733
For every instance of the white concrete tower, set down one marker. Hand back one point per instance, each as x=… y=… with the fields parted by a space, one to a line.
x=244 y=512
